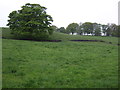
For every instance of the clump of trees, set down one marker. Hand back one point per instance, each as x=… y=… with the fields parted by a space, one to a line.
x=94 y=29
x=31 y=22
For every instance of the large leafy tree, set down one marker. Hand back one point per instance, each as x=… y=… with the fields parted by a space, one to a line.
x=31 y=22
x=72 y=28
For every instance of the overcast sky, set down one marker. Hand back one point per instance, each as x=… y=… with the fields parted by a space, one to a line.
x=65 y=12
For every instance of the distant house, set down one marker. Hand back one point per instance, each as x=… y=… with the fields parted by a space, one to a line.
x=73 y=34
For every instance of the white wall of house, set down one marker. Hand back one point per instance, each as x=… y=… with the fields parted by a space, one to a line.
x=102 y=34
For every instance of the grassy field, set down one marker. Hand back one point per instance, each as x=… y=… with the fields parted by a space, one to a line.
x=66 y=64
x=63 y=64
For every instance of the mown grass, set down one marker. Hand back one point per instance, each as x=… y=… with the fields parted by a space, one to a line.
x=31 y=64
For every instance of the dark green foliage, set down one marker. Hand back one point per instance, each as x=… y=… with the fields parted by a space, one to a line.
x=31 y=22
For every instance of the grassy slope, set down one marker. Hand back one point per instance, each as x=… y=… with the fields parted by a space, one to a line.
x=66 y=37
x=59 y=65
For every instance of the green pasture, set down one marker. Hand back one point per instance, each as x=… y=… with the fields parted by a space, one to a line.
x=66 y=64
x=31 y=64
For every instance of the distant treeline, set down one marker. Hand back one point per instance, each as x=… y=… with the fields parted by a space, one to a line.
x=89 y=28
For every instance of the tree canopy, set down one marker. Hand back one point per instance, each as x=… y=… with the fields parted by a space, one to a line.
x=96 y=29
x=87 y=27
x=72 y=28
x=31 y=22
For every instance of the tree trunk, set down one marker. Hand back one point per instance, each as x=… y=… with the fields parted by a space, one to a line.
x=72 y=33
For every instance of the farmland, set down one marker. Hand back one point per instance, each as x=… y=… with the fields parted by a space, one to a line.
x=66 y=64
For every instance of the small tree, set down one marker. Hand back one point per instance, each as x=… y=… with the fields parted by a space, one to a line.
x=61 y=29
x=54 y=28
x=97 y=29
x=114 y=31
x=31 y=22
x=88 y=27
x=72 y=28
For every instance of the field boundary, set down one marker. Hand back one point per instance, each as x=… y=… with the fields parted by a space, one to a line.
x=95 y=41
x=79 y=40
